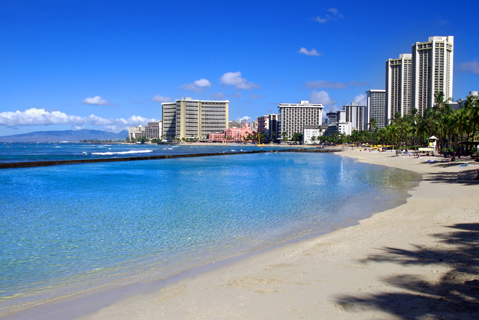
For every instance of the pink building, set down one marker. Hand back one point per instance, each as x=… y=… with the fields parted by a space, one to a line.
x=231 y=135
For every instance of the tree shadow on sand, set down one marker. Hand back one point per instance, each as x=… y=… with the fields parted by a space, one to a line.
x=454 y=296
x=464 y=177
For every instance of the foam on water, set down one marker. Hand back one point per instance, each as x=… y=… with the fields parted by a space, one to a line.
x=121 y=152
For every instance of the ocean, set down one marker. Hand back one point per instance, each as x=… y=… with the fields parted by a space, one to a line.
x=21 y=152
x=71 y=228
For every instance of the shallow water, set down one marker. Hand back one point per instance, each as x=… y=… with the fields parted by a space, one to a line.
x=69 y=228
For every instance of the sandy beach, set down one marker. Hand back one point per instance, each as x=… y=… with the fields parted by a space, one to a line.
x=419 y=260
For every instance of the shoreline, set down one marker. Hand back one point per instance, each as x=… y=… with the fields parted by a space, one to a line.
x=306 y=278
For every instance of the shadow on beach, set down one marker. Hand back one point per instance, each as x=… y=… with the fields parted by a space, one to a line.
x=454 y=296
x=463 y=177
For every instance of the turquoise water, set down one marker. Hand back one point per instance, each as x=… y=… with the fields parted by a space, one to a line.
x=74 y=227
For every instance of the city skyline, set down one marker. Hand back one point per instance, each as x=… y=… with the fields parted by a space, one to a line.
x=108 y=65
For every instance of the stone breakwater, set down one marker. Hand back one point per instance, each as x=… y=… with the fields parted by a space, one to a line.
x=31 y=164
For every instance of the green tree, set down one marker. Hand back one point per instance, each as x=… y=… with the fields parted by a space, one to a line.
x=297 y=137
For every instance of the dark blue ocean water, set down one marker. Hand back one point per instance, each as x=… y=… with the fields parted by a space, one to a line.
x=20 y=152
x=73 y=227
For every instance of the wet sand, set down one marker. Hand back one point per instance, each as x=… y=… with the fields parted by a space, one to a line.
x=419 y=260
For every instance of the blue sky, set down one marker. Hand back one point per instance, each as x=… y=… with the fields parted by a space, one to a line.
x=107 y=65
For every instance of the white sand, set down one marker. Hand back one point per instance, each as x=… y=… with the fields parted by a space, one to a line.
x=398 y=264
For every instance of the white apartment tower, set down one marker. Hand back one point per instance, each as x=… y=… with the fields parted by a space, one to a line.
x=432 y=63
x=376 y=108
x=295 y=116
x=188 y=118
x=398 y=86
x=357 y=115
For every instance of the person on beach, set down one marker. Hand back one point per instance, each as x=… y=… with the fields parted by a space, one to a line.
x=453 y=158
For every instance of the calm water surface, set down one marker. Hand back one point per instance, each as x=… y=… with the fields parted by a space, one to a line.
x=74 y=227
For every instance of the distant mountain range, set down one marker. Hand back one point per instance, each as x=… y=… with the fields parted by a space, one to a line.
x=66 y=135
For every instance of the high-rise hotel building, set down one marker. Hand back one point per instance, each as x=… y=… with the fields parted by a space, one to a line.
x=357 y=115
x=376 y=107
x=188 y=118
x=432 y=64
x=295 y=116
x=398 y=86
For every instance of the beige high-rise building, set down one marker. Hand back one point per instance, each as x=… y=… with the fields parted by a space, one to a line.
x=295 y=116
x=398 y=86
x=188 y=118
x=432 y=63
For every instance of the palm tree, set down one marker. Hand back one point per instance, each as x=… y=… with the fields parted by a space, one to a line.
x=402 y=126
x=443 y=110
x=427 y=125
x=373 y=128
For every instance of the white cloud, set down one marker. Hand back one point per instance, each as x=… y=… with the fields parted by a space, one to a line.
x=218 y=95
x=160 y=99
x=238 y=95
x=235 y=79
x=248 y=119
x=335 y=12
x=255 y=96
x=332 y=15
x=325 y=84
x=98 y=101
x=472 y=66
x=360 y=100
x=197 y=86
x=321 y=97
x=321 y=20
x=313 y=52
x=333 y=108
x=42 y=117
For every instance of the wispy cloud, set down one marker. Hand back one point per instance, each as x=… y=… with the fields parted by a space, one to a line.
x=312 y=52
x=238 y=95
x=43 y=117
x=98 y=101
x=198 y=85
x=325 y=84
x=471 y=66
x=360 y=100
x=255 y=96
x=235 y=79
x=332 y=85
x=355 y=83
x=219 y=95
x=332 y=14
x=321 y=97
x=161 y=99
